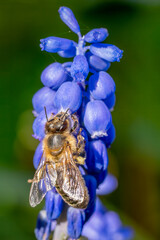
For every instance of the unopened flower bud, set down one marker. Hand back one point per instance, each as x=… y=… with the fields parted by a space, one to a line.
x=79 y=68
x=97 y=63
x=69 y=19
x=96 y=35
x=55 y=44
x=108 y=52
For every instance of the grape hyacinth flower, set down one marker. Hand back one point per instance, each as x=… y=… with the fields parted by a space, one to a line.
x=82 y=86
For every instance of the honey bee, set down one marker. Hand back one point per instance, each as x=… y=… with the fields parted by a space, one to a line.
x=62 y=150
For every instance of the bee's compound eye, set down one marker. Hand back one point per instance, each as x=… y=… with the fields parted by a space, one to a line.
x=63 y=126
x=58 y=126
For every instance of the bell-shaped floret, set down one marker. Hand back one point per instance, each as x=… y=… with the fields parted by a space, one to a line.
x=53 y=205
x=100 y=176
x=79 y=68
x=55 y=44
x=40 y=121
x=69 y=19
x=97 y=118
x=38 y=155
x=96 y=35
x=76 y=219
x=97 y=63
x=54 y=75
x=91 y=184
x=43 y=226
x=43 y=98
x=106 y=225
x=109 y=184
x=68 y=96
x=109 y=139
x=101 y=85
x=71 y=52
x=110 y=101
x=106 y=51
x=97 y=157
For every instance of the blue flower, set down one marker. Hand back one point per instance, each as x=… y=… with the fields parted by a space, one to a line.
x=110 y=101
x=40 y=121
x=101 y=85
x=38 y=155
x=69 y=95
x=54 y=75
x=55 y=44
x=109 y=185
x=96 y=63
x=106 y=225
x=96 y=35
x=43 y=98
x=97 y=157
x=108 y=52
x=69 y=19
x=77 y=217
x=54 y=205
x=82 y=86
x=97 y=118
x=44 y=226
x=79 y=68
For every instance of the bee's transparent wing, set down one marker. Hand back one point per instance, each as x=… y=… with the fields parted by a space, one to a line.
x=44 y=180
x=70 y=183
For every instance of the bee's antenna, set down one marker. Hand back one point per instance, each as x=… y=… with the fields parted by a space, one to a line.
x=46 y=113
x=65 y=113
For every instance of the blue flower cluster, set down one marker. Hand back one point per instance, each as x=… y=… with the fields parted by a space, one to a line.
x=83 y=86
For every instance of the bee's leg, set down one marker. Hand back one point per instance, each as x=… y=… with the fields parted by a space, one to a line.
x=75 y=127
x=80 y=154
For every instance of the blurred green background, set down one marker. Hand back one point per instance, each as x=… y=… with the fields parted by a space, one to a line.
x=134 y=157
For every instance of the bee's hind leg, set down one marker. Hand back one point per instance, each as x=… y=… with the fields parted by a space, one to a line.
x=80 y=155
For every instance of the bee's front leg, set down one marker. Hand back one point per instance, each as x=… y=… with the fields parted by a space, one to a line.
x=75 y=127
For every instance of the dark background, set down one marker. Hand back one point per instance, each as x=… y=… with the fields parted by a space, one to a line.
x=135 y=155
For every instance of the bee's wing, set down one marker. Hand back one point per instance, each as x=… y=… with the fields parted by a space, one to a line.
x=70 y=183
x=44 y=180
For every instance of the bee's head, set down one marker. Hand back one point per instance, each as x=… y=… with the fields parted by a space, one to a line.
x=59 y=123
